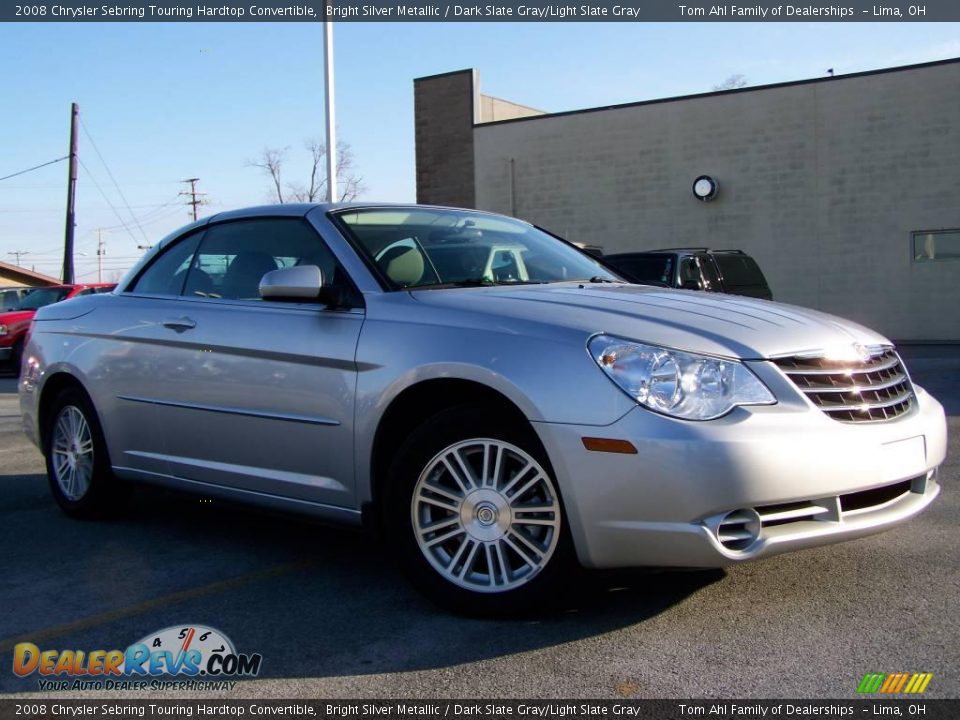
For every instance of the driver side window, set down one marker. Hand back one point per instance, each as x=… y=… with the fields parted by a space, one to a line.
x=166 y=275
x=234 y=256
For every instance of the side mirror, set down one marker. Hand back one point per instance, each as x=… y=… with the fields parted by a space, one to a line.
x=691 y=284
x=302 y=282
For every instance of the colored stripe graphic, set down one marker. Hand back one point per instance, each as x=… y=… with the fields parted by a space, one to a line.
x=870 y=683
x=894 y=683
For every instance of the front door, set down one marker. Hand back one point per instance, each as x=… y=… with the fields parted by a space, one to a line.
x=259 y=395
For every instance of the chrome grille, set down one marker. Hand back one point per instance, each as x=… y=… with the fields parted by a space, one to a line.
x=853 y=390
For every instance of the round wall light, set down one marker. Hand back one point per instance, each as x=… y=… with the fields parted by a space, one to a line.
x=705 y=188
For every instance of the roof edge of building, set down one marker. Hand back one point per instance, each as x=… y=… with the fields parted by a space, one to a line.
x=16 y=270
x=714 y=93
x=444 y=74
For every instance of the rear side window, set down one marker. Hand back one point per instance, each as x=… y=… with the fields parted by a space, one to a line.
x=166 y=275
x=740 y=271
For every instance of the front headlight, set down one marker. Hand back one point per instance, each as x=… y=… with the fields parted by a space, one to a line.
x=680 y=384
x=3 y=330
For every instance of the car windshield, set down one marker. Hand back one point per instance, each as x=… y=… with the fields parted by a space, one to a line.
x=43 y=296
x=428 y=247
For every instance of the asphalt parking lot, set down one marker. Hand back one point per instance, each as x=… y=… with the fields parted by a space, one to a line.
x=333 y=619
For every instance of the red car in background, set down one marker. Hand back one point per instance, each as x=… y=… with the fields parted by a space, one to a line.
x=15 y=323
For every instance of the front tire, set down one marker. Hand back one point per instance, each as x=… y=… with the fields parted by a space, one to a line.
x=78 y=467
x=475 y=516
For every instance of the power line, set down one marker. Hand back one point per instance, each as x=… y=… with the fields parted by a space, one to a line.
x=35 y=167
x=123 y=224
x=53 y=210
x=159 y=212
x=18 y=254
x=113 y=179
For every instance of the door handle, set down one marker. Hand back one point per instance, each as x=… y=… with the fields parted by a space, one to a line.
x=179 y=324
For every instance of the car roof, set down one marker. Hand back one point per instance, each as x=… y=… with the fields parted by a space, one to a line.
x=301 y=209
x=636 y=253
x=677 y=251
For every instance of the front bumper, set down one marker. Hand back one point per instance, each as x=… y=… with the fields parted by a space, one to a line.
x=757 y=482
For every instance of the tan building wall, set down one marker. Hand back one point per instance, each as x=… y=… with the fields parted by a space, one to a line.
x=493 y=109
x=15 y=276
x=822 y=181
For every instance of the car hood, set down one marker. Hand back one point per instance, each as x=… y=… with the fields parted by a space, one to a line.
x=727 y=325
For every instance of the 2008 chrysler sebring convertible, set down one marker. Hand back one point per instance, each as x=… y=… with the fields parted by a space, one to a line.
x=498 y=402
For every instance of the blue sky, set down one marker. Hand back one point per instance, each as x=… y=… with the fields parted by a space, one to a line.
x=167 y=101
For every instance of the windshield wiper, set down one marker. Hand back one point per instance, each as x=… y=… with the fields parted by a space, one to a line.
x=600 y=279
x=474 y=282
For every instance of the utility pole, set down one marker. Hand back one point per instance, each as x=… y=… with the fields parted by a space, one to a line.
x=101 y=251
x=18 y=254
x=328 y=89
x=71 y=197
x=195 y=197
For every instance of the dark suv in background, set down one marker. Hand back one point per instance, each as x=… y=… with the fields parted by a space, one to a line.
x=726 y=271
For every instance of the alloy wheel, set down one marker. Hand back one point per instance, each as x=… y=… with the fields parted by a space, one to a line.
x=486 y=515
x=72 y=450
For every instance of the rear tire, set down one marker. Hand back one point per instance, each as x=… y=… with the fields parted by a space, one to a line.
x=78 y=466
x=474 y=515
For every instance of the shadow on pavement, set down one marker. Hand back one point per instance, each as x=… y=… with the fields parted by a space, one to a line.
x=271 y=583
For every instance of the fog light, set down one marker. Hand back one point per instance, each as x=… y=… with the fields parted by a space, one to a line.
x=739 y=529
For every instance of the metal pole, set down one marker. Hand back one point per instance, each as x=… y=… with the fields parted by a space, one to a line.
x=100 y=253
x=71 y=197
x=331 y=119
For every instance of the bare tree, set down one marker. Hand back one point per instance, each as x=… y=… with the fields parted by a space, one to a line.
x=731 y=83
x=272 y=161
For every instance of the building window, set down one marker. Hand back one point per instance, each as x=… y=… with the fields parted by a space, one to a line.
x=930 y=245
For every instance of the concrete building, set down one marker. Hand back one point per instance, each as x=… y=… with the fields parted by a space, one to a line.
x=843 y=188
x=16 y=276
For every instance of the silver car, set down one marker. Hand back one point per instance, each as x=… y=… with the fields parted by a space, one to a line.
x=499 y=420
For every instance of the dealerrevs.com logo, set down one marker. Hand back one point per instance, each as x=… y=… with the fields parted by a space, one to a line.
x=203 y=656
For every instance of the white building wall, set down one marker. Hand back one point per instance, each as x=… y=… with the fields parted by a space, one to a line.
x=822 y=182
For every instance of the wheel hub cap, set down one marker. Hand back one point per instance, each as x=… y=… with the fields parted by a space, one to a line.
x=486 y=515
